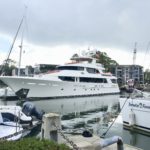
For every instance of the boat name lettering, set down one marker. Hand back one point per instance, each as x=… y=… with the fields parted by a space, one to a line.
x=139 y=105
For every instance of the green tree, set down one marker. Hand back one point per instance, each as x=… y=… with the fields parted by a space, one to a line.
x=105 y=60
x=7 y=67
x=147 y=76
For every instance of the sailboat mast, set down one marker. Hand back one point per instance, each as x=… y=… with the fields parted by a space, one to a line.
x=2 y=68
x=20 y=55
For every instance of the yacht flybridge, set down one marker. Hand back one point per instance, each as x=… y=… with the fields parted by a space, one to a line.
x=82 y=77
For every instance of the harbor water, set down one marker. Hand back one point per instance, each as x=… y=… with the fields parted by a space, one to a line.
x=93 y=113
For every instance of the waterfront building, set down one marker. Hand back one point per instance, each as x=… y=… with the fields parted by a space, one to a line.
x=126 y=72
x=27 y=71
x=42 y=68
x=30 y=71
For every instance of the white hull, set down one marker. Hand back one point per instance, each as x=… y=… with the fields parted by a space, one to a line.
x=40 y=88
x=136 y=112
x=10 y=128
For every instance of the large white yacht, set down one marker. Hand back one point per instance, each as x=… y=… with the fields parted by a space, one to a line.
x=82 y=77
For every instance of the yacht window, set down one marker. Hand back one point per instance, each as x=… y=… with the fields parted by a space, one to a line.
x=104 y=80
x=81 y=68
x=8 y=117
x=82 y=79
x=92 y=70
x=113 y=80
x=100 y=80
x=93 y=80
x=70 y=68
x=66 y=78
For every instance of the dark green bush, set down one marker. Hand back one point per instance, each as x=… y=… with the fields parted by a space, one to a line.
x=31 y=144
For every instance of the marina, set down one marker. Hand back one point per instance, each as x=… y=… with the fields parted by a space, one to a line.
x=75 y=73
x=80 y=113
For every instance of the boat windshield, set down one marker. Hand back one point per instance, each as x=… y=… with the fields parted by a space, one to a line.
x=8 y=117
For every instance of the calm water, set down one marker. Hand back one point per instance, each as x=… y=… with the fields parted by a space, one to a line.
x=80 y=113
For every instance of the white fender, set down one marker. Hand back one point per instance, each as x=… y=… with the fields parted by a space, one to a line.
x=132 y=118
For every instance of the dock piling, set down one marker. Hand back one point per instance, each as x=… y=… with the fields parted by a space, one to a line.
x=48 y=129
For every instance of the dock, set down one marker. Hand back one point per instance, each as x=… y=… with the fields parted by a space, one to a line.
x=93 y=143
x=126 y=147
x=51 y=130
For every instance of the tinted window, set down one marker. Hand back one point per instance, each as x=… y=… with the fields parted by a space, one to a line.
x=8 y=117
x=93 y=80
x=92 y=70
x=113 y=80
x=65 y=78
x=104 y=80
x=70 y=68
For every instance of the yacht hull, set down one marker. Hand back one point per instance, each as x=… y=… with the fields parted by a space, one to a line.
x=45 y=88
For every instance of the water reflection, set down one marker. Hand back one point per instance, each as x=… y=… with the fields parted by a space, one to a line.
x=75 y=105
x=78 y=113
x=92 y=113
x=129 y=137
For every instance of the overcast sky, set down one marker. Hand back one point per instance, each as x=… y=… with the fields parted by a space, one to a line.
x=56 y=29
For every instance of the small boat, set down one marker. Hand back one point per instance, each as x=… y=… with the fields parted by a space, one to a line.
x=8 y=131
x=17 y=122
x=135 y=109
x=14 y=114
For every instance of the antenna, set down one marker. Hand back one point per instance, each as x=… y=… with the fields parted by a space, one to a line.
x=134 y=53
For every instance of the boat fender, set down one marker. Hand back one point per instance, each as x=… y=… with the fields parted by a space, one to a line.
x=132 y=118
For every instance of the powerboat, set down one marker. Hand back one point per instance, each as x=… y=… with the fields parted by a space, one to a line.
x=17 y=122
x=82 y=77
x=135 y=110
x=14 y=114
x=12 y=123
x=9 y=129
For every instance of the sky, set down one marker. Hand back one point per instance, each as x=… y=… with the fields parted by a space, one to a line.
x=54 y=30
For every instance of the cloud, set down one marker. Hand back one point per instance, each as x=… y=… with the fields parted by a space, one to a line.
x=104 y=24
